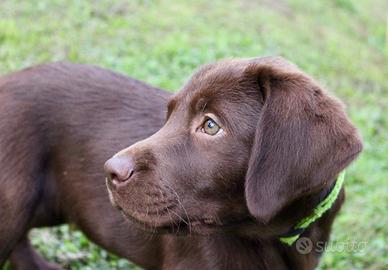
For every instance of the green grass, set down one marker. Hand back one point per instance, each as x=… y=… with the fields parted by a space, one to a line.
x=342 y=43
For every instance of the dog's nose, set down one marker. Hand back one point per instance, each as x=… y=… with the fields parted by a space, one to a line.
x=119 y=168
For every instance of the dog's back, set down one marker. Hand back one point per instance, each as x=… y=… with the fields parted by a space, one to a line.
x=58 y=124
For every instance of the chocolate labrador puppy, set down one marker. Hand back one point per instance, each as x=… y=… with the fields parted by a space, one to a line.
x=249 y=149
x=248 y=158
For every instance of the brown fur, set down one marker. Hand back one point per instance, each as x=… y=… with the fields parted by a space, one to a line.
x=194 y=201
x=58 y=125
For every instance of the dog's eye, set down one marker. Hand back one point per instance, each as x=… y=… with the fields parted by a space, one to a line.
x=210 y=127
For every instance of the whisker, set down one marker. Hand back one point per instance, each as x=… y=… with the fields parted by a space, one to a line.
x=153 y=230
x=168 y=211
x=181 y=204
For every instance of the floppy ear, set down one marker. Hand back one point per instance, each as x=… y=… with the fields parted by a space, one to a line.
x=303 y=139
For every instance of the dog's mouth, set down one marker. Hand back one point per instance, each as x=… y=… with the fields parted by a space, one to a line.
x=182 y=226
x=169 y=216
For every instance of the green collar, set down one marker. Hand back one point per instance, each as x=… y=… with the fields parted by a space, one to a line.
x=319 y=210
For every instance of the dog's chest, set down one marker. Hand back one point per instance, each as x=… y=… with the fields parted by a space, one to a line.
x=220 y=253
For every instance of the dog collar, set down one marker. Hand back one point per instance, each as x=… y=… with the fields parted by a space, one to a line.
x=319 y=210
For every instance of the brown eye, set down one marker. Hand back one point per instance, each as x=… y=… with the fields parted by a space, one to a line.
x=210 y=127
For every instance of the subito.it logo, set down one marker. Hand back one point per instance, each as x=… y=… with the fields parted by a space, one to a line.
x=304 y=245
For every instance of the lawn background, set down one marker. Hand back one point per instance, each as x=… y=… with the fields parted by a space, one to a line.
x=342 y=43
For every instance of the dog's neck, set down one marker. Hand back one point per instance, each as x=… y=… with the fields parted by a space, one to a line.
x=253 y=250
x=327 y=198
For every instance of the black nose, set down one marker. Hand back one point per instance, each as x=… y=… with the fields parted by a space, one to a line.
x=119 y=168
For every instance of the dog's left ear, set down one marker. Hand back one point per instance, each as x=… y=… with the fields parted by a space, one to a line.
x=303 y=138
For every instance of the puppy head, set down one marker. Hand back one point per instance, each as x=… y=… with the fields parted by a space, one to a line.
x=243 y=139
